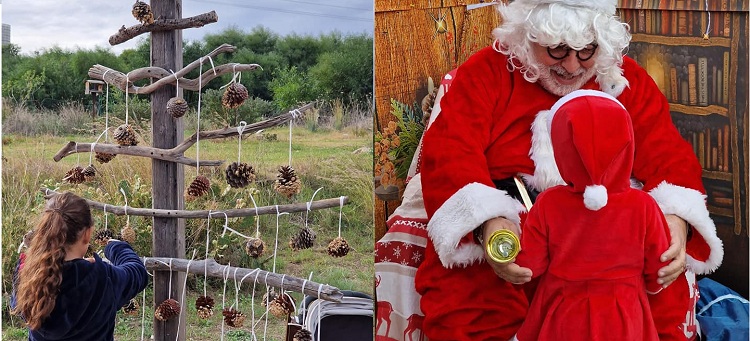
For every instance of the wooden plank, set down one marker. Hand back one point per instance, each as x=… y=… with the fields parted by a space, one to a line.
x=168 y=177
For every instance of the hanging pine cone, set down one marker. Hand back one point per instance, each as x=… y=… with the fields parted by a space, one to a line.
x=102 y=237
x=124 y=135
x=269 y=296
x=205 y=307
x=338 y=247
x=282 y=305
x=198 y=187
x=234 y=95
x=167 y=310
x=142 y=12
x=131 y=309
x=75 y=175
x=177 y=107
x=239 y=175
x=287 y=182
x=254 y=247
x=104 y=157
x=233 y=318
x=302 y=335
x=89 y=173
x=127 y=234
x=304 y=239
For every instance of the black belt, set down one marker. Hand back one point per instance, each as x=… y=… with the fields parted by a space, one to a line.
x=509 y=185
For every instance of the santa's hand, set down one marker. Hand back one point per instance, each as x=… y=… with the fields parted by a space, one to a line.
x=508 y=271
x=675 y=252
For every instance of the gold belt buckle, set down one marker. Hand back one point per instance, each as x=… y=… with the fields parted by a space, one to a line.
x=503 y=246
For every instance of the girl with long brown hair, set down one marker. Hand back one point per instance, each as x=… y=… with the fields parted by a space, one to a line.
x=61 y=294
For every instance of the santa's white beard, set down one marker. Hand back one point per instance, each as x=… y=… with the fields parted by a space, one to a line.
x=549 y=83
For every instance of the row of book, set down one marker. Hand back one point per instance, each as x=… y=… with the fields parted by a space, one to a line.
x=719 y=194
x=695 y=5
x=711 y=146
x=686 y=76
x=678 y=23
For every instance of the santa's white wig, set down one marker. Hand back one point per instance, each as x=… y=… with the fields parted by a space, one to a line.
x=575 y=23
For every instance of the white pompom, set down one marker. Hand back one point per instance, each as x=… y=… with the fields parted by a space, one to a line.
x=595 y=197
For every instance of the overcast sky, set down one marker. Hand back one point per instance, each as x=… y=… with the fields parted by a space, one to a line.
x=72 y=24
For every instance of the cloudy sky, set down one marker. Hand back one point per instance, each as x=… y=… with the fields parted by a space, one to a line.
x=72 y=24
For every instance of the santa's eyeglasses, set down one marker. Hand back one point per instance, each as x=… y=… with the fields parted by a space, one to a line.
x=560 y=52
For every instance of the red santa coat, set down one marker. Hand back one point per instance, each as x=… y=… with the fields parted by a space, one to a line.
x=484 y=133
x=595 y=241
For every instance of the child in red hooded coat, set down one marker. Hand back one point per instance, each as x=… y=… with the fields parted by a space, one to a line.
x=595 y=242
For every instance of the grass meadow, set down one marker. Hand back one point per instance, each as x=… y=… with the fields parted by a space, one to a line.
x=336 y=158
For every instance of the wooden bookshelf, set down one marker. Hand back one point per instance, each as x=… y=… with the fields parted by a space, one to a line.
x=699 y=59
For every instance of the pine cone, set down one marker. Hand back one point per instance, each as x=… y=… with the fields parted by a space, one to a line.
x=282 y=305
x=254 y=247
x=338 y=247
x=304 y=239
x=428 y=102
x=89 y=173
x=199 y=187
x=234 y=95
x=75 y=175
x=302 y=335
x=239 y=175
x=177 y=107
x=127 y=234
x=167 y=310
x=131 y=309
x=269 y=296
x=104 y=157
x=205 y=307
x=124 y=135
x=233 y=318
x=142 y=12
x=287 y=182
x=27 y=238
x=102 y=237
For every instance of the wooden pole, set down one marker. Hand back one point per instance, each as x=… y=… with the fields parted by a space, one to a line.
x=168 y=177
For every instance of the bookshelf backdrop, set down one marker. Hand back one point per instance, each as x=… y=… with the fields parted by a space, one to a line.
x=698 y=56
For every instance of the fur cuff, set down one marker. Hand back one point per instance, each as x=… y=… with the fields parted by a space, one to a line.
x=463 y=212
x=690 y=205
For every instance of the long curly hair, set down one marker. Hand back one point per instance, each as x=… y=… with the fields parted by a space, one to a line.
x=66 y=217
x=551 y=24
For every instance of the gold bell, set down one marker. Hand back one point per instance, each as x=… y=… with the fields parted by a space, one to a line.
x=503 y=246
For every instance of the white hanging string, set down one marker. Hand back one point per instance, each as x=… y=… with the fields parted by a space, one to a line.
x=127 y=217
x=143 y=307
x=198 y=129
x=169 y=292
x=268 y=303
x=106 y=107
x=240 y=129
x=225 y=276
x=205 y=264
x=341 y=210
x=309 y=204
x=252 y=303
x=127 y=81
x=91 y=154
x=290 y=140
x=106 y=219
x=78 y=161
x=227 y=228
x=236 y=77
x=276 y=244
x=257 y=217
x=182 y=297
x=177 y=83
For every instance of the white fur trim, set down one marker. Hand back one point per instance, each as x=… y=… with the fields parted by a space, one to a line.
x=595 y=197
x=546 y=174
x=464 y=211
x=573 y=95
x=601 y=6
x=613 y=83
x=690 y=205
